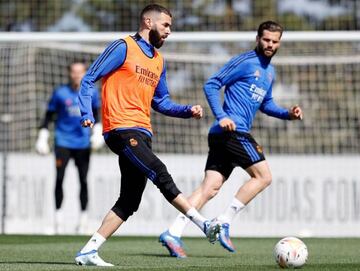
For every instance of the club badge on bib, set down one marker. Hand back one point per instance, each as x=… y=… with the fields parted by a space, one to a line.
x=133 y=142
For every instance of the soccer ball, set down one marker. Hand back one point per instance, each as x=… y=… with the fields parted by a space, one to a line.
x=290 y=252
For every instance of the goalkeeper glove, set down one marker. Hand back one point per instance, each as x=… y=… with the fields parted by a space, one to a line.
x=42 y=145
x=97 y=139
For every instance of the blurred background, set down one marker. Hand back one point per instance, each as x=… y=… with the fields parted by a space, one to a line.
x=314 y=162
x=197 y=15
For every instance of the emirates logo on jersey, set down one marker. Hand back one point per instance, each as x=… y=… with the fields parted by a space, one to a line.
x=133 y=142
x=146 y=76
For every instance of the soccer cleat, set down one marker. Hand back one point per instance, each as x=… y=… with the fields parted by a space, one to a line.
x=212 y=229
x=90 y=258
x=224 y=237
x=173 y=244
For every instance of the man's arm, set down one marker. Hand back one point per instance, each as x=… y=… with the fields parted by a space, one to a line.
x=42 y=144
x=229 y=73
x=49 y=117
x=270 y=108
x=162 y=102
x=108 y=61
x=96 y=139
x=52 y=108
x=96 y=104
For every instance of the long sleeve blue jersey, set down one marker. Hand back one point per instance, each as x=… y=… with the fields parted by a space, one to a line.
x=248 y=79
x=68 y=131
x=113 y=58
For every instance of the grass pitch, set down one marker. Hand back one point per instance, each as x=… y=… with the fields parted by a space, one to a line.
x=28 y=252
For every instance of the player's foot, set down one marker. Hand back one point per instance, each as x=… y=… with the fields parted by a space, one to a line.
x=212 y=229
x=224 y=237
x=90 y=258
x=173 y=244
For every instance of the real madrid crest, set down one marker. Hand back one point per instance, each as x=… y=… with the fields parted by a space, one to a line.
x=133 y=142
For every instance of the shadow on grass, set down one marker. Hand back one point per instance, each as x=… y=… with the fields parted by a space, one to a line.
x=333 y=266
x=161 y=255
x=37 y=262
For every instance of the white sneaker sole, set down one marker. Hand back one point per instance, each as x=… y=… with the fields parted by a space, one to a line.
x=84 y=261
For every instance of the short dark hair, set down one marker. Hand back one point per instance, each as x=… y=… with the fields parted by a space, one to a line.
x=270 y=26
x=154 y=7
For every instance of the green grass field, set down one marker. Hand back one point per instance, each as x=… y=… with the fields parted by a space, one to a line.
x=30 y=252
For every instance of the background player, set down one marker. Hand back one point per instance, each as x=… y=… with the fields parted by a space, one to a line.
x=248 y=79
x=71 y=140
x=134 y=78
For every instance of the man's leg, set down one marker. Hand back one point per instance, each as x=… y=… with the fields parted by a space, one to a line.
x=137 y=148
x=88 y=255
x=260 y=178
x=219 y=160
x=133 y=183
x=62 y=156
x=207 y=190
x=246 y=153
x=209 y=187
x=218 y=168
x=82 y=160
x=135 y=155
x=132 y=186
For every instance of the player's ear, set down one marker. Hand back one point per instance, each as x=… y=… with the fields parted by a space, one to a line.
x=148 y=22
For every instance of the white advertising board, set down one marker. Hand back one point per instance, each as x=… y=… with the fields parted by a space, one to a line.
x=309 y=196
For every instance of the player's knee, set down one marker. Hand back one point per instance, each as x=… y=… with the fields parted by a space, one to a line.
x=266 y=179
x=211 y=191
x=165 y=184
x=124 y=211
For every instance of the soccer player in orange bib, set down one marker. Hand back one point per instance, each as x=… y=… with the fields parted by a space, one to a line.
x=134 y=78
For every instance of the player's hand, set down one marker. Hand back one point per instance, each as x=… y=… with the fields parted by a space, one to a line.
x=197 y=111
x=227 y=124
x=296 y=113
x=42 y=145
x=87 y=123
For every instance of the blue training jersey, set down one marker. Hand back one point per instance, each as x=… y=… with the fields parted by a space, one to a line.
x=248 y=79
x=112 y=59
x=68 y=131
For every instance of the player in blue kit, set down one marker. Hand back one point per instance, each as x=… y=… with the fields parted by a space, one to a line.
x=248 y=79
x=71 y=140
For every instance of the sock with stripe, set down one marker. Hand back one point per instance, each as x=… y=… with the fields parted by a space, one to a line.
x=234 y=208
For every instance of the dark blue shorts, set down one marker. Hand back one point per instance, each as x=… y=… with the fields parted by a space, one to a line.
x=231 y=149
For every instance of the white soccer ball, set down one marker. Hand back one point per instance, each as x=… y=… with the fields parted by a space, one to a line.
x=290 y=252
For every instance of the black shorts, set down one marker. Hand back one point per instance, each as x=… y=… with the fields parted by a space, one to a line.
x=137 y=163
x=80 y=156
x=231 y=149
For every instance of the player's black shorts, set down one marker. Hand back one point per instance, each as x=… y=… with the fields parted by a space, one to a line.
x=137 y=163
x=231 y=149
